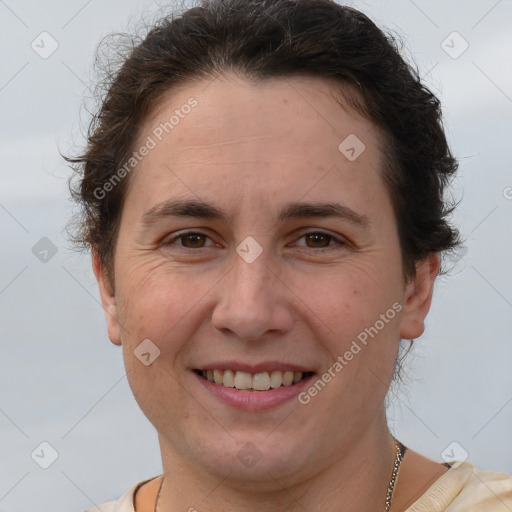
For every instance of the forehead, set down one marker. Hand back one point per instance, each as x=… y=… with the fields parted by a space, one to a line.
x=229 y=136
x=230 y=103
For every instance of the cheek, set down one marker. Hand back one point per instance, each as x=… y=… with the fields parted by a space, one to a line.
x=351 y=297
x=362 y=315
x=155 y=298
x=155 y=304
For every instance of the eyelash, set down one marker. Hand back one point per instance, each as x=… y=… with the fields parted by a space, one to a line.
x=339 y=241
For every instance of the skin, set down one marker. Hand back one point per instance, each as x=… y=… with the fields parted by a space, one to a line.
x=249 y=149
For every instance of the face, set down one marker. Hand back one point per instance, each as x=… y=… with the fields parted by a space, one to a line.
x=255 y=251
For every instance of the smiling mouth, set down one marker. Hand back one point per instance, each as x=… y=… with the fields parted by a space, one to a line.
x=262 y=381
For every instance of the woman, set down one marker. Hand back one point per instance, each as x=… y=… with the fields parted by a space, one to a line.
x=263 y=197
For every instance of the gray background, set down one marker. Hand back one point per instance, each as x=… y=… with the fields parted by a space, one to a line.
x=63 y=382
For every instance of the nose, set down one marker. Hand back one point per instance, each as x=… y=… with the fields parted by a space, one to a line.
x=253 y=302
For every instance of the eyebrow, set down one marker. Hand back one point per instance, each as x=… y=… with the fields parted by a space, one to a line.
x=294 y=210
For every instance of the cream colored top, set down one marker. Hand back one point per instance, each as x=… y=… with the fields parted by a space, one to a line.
x=463 y=488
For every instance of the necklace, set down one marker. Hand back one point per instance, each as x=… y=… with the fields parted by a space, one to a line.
x=400 y=451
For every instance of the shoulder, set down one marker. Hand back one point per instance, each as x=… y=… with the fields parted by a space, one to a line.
x=465 y=488
x=123 y=504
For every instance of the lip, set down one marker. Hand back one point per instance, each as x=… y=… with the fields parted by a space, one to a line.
x=253 y=401
x=265 y=366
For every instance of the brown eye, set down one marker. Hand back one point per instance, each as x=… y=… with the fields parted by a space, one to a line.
x=318 y=240
x=321 y=241
x=196 y=240
x=189 y=240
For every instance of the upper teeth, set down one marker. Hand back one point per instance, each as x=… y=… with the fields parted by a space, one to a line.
x=259 y=381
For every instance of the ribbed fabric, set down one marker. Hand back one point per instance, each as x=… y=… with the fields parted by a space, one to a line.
x=465 y=488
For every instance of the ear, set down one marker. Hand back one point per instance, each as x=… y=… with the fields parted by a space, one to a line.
x=108 y=300
x=418 y=297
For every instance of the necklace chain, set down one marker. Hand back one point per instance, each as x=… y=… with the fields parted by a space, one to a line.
x=400 y=450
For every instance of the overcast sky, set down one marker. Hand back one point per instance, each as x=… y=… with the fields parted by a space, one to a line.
x=62 y=382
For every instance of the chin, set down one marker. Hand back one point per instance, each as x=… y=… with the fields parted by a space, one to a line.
x=252 y=459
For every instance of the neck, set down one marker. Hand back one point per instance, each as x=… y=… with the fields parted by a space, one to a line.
x=358 y=479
